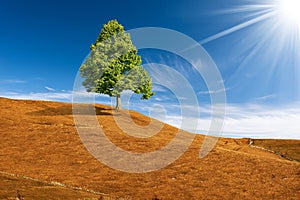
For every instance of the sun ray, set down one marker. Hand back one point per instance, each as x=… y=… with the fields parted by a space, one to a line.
x=237 y=27
x=286 y=12
x=266 y=47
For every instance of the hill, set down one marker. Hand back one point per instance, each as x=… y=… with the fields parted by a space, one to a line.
x=289 y=149
x=39 y=140
x=11 y=186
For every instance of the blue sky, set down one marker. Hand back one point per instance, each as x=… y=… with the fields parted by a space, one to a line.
x=254 y=44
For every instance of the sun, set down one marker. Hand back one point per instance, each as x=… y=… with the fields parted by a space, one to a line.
x=289 y=10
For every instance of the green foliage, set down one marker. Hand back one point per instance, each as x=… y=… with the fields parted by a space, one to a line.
x=114 y=66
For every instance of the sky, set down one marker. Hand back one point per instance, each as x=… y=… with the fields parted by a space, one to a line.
x=254 y=45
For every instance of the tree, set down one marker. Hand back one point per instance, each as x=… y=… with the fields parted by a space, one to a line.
x=114 y=66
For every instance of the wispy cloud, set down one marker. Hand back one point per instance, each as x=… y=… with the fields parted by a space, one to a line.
x=266 y=97
x=241 y=120
x=159 y=88
x=244 y=120
x=11 y=81
x=214 y=91
x=49 y=88
x=63 y=96
x=263 y=121
x=50 y=96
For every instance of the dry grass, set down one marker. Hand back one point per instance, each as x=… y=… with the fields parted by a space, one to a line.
x=11 y=187
x=39 y=140
x=289 y=149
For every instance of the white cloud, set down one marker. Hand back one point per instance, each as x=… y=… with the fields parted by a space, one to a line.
x=197 y=63
x=249 y=121
x=63 y=96
x=213 y=91
x=49 y=88
x=158 y=99
x=266 y=97
x=158 y=88
x=50 y=96
x=260 y=121
x=241 y=120
x=12 y=81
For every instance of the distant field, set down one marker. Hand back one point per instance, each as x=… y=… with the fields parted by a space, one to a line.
x=287 y=148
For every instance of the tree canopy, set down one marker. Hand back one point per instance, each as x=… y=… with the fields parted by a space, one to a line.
x=114 y=66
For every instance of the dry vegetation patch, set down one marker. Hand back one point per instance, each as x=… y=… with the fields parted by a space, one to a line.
x=39 y=140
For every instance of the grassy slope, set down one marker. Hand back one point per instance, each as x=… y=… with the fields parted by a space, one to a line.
x=39 y=140
x=31 y=189
x=286 y=148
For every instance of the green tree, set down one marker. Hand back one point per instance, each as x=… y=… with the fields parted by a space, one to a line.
x=114 y=66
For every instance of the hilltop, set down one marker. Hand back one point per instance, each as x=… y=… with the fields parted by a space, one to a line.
x=39 y=140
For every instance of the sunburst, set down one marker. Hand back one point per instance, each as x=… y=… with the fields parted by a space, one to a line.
x=271 y=43
x=289 y=11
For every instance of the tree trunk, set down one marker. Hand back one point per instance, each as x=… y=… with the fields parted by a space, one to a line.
x=118 y=102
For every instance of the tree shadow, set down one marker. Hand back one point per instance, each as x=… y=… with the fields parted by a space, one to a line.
x=67 y=110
